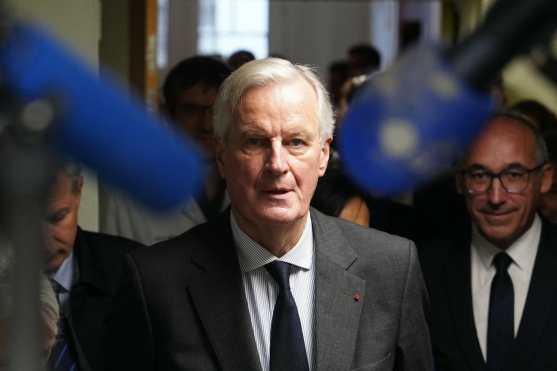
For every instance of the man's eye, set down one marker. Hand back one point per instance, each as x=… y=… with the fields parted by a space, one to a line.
x=514 y=174
x=479 y=176
x=296 y=142
x=255 y=142
x=56 y=217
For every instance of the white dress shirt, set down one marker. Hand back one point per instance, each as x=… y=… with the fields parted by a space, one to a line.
x=261 y=290
x=121 y=216
x=523 y=254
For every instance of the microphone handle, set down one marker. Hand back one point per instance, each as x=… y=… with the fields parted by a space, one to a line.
x=511 y=27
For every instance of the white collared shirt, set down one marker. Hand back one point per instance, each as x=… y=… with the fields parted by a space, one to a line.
x=523 y=254
x=261 y=290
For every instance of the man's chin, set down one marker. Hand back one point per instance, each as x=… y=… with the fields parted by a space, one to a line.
x=280 y=215
x=500 y=237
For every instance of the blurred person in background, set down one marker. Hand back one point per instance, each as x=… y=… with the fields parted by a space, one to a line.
x=84 y=269
x=238 y=58
x=336 y=195
x=189 y=92
x=363 y=59
x=338 y=73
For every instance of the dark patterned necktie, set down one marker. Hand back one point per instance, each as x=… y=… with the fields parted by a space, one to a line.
x=500 y=326
x=288 y=352
x=62 y=354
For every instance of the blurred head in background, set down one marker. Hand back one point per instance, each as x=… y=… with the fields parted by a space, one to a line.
x=189 y=92
x=239 y=58
x=61 y=215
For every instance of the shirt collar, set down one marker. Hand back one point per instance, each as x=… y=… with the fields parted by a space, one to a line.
x=64 y=276
x=521 y=251
x=252 y=255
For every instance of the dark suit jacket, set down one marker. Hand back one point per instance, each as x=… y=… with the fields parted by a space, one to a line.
x=446 y=267
x=184 y=308
x=100 y=261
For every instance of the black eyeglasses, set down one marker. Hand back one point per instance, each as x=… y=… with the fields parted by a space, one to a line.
x=513 y=180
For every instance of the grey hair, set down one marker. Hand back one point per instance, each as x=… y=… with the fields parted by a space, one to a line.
x=263 y=72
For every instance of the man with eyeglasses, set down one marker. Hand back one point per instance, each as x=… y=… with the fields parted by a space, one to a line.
x=494 y=289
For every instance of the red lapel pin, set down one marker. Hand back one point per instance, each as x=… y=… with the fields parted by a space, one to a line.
x=357 y=296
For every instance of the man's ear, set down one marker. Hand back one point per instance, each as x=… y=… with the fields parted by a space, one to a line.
x=324 y=157
x=547 y=178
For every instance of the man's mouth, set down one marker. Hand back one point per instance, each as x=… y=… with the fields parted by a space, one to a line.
x=277 y=191
x=498 y=216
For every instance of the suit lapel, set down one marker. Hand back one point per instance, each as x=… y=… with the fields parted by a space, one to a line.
x=219 y=298
x=538 y=306
x=460 y=300
x=337 y=313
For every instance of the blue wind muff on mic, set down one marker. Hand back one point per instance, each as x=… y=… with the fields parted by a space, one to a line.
x=98 y=124
x=409 y=123
x=412 y=121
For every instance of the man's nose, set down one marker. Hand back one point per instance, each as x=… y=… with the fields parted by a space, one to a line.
x=276 y=160
x=496 y=193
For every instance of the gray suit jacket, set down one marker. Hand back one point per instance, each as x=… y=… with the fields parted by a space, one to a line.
x=183 y=307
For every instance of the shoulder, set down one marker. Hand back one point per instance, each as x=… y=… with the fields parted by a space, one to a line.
x=101 y=257
x=362 y=239
x=375 y=253
x=549 y=231
x=105 y=249
x=437 y=251
x=176 y=253
x=115 y=244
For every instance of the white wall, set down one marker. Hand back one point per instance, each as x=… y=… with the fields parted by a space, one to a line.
x=182 y=31
x=384 y=29
x=317 y=32
x=76 y=22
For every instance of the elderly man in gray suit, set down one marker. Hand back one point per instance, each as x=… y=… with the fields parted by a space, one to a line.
x=271 y=284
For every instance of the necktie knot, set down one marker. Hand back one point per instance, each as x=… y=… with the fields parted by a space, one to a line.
x=502 y=261
x=58 y=289
x=280 y=271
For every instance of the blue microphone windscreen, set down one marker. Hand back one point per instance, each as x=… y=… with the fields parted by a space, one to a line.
x=99 y=124
x=410 y=123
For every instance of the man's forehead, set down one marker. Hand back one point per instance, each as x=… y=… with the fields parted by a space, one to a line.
x=505 y=141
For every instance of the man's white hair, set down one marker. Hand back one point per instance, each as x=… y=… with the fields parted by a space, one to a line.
x=264 y=72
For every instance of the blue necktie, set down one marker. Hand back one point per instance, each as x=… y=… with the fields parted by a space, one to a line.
x=61 y=357
x=288 y=352
x=500 y=327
